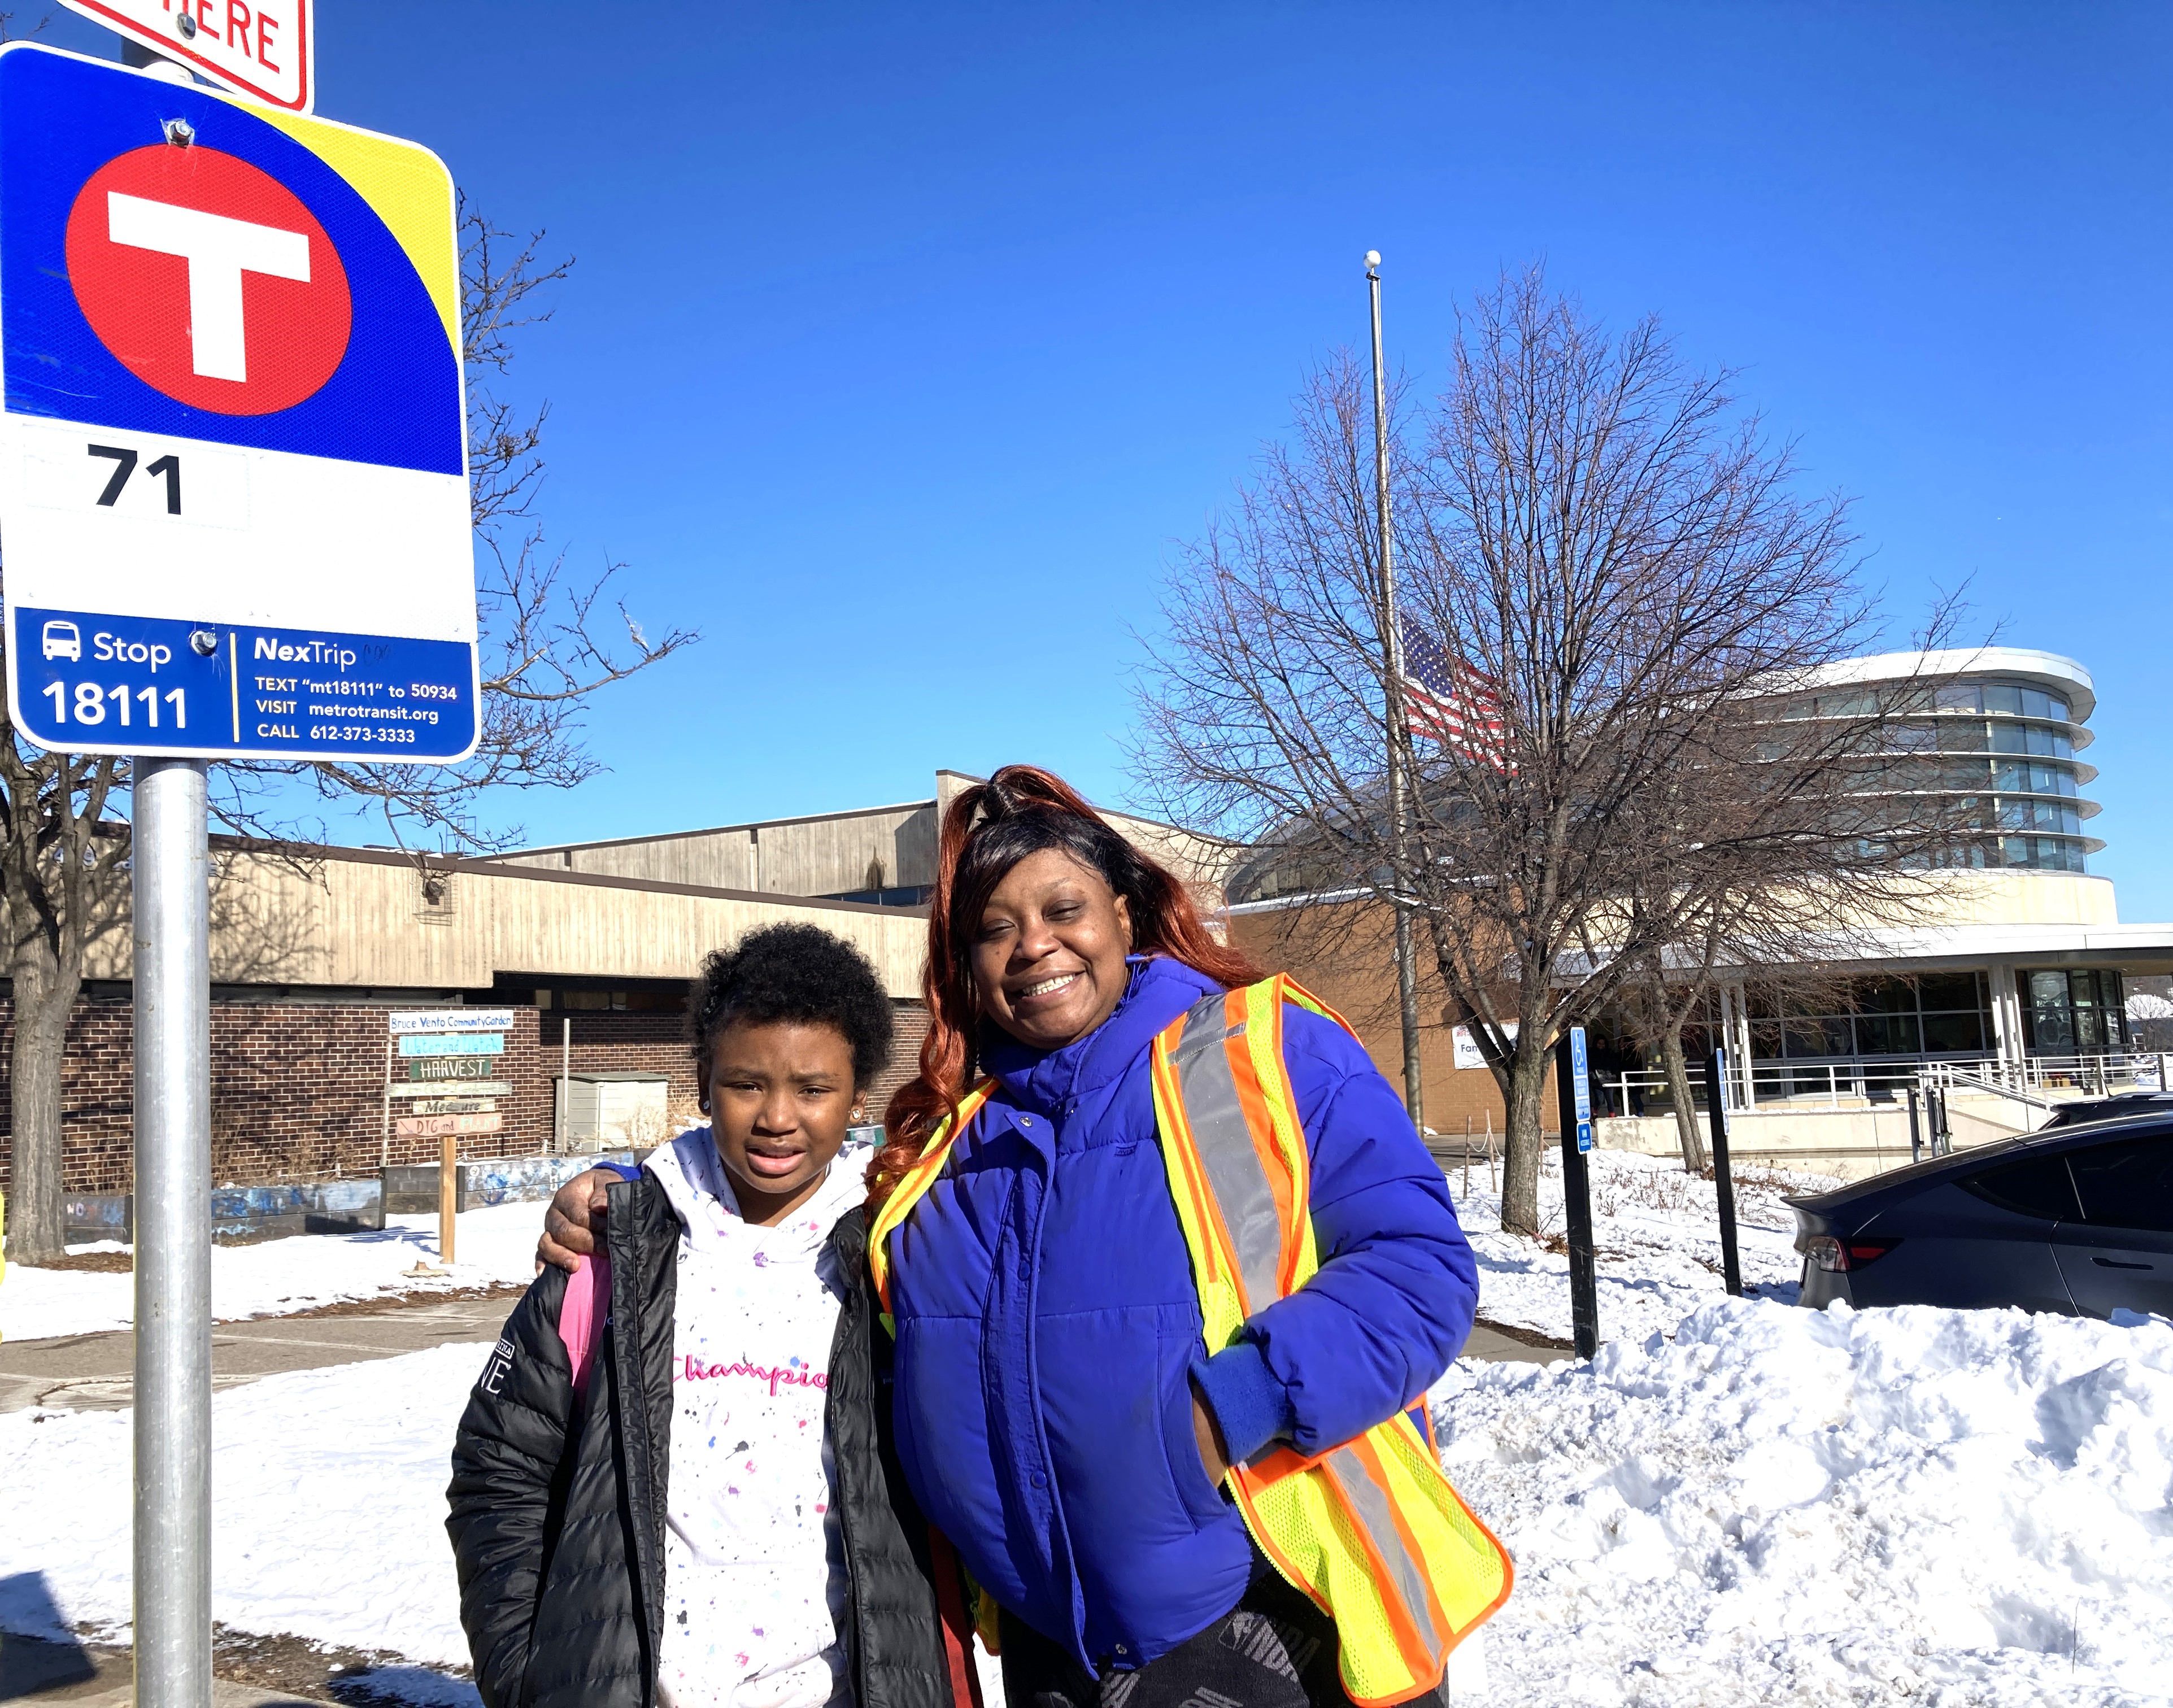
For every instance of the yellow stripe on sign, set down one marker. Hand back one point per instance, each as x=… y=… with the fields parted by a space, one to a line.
x=408 y=188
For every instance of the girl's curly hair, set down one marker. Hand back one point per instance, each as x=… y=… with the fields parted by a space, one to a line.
x=792 y=973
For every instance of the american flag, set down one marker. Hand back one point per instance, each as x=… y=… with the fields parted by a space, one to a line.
x=1452 y=704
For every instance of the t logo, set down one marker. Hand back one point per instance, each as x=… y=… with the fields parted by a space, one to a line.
x=219 y=251
x=209 y=279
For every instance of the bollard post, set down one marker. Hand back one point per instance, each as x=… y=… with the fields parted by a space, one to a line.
x=1715 y=1098
x=1574 y=1096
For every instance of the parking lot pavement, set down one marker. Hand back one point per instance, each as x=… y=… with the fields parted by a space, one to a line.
x=94 y=1372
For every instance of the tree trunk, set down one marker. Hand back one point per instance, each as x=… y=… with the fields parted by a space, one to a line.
x=1525 y=1096
x=36 y=1216
x=1678 y=1094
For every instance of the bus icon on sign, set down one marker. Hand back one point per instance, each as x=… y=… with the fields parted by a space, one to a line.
x=63 y=640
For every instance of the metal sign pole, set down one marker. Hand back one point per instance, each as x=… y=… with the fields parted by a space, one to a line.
x=172 y=879
x=1716 y=1096
x=1575 y=1096
x=1407 y=976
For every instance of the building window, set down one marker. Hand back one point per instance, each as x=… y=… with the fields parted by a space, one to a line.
x=1930 y=1014
x=2001 y=699
x=891 y=896
x=2073 y=1013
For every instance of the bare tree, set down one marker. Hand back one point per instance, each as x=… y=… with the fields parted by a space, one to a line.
x=1633 y=607
x=56 y=852
x=1657 y=1009
x=550 y=640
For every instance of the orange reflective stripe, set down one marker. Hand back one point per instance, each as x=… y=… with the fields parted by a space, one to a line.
x=914 y=1186
x=1305 y=998
x=1277 y=1135
x=1429 y=1609
x=1399 y=1578
x=1251 y=1098
x=1184 y=1158
x=1239 y=1202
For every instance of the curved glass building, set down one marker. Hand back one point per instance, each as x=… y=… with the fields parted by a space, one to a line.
x=1996 y=740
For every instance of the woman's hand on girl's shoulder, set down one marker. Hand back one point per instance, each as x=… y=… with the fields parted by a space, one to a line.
x=570 y=1222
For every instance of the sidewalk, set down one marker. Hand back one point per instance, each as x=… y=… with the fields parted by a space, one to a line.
x=94 y=1372
x=84 y=1676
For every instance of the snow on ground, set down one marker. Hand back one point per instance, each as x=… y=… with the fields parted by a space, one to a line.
x=328 y=1509
x=1944 y=1508
x=273 y=1278
x=1737 y=1503
x=1657 y=1233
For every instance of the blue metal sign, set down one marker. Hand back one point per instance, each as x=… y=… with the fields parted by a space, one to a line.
x=453 y=1043
x=1580 y=1067
x=233 y=464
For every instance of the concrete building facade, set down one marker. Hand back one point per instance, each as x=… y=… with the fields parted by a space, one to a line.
x=589 y=946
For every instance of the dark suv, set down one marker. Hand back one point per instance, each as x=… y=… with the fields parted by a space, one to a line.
x=2078 y=1220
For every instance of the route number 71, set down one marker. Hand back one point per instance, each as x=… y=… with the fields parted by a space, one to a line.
x=124 y=459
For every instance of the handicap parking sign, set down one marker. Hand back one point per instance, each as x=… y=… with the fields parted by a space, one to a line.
x=233 y=443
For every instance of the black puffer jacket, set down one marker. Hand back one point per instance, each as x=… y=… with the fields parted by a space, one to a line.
x=558 y=1504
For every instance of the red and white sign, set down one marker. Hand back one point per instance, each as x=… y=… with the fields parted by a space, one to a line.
x=437 y=1126
x=160 y=228
x=264 y=48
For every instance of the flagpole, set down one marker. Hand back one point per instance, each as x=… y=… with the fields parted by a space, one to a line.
x=1399 y=733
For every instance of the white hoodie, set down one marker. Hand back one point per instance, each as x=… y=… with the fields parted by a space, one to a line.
x=754 y=1575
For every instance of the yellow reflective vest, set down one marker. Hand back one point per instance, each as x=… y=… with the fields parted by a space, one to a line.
x=1372 y=1530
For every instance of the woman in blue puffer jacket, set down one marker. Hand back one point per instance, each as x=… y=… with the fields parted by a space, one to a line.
x=1057 y=1416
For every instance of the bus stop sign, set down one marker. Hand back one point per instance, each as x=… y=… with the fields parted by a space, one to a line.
x=232 y=443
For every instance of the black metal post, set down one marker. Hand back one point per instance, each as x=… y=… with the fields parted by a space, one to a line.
x=1576 y=1203
x=1915 y=1132
x=1715 y=1099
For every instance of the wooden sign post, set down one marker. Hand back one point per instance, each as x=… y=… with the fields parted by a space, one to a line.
x=449 y=1178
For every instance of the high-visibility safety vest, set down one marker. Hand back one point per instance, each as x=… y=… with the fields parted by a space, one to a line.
x=1372 y=1530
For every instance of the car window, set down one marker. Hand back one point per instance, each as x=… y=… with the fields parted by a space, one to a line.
x=2034 y=1186
x=2128 y=1184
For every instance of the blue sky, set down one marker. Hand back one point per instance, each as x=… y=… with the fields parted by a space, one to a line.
x=905 y=340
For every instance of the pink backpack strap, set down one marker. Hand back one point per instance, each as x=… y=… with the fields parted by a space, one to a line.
x=582 y=1314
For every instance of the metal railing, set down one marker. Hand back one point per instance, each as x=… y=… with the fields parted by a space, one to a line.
x=2040 y=1081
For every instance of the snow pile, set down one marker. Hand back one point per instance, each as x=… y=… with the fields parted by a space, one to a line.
x=328 y=1509
x=1782 y=1505
x=275 y=1278
x=1657 y=1233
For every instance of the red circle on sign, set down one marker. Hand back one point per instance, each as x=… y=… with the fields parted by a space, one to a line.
x=209 y=279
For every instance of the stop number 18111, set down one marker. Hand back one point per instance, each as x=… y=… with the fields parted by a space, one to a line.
x=90 y=701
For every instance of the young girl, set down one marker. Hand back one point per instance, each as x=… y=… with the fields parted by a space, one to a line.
x=674 y=1480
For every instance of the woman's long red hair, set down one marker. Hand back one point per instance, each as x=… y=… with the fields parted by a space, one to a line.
x=1034 y=808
